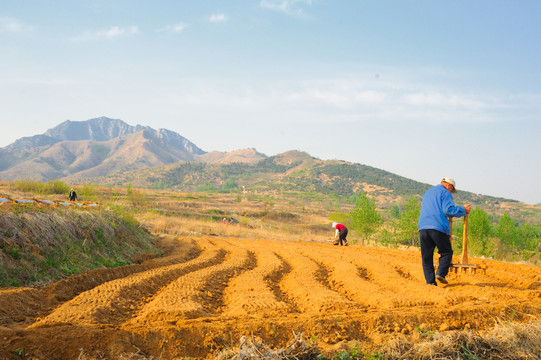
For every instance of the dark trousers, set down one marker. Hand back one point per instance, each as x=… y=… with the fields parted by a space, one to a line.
x=431 y=239
x=342 y=236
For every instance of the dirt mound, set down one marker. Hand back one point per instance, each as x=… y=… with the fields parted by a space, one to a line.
x=210 y=292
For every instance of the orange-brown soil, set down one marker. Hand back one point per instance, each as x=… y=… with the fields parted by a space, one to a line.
x=210 y=291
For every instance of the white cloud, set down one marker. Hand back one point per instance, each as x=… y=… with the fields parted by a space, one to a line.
x=288 y=7
x=340 y=94
x=27 y=80
x=354 y=101
x=14 y=26
x=439 y=99
x=110 y=34
x=370 y=97
x=218 y=18
x=174 y=29
x=338 y=98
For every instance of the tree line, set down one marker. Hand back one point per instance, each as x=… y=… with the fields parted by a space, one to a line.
x=502 y=238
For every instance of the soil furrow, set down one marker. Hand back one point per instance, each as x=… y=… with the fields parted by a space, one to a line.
x=345 y=277
x=190 y=296
x=250 y=293
x=32 y=303
x=115 y=301
x=408 y=291
x=303 y=288
x=274 y=280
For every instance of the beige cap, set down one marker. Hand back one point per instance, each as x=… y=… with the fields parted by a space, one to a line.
x=450 y=181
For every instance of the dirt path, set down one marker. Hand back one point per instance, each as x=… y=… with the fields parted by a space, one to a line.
x=210 y=291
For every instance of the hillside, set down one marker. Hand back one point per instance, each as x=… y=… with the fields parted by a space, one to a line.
x=41 y=244
x=298 y=173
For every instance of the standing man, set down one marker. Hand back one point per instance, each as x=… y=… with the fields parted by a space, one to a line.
x=436 y=208
x=341 y=233
x=72 y=195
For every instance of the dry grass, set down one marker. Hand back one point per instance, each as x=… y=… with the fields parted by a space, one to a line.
x=280 y=216
x=244 y=227
x=503 y=342
x=283 y=217
x=40 y=244
x=253 y=348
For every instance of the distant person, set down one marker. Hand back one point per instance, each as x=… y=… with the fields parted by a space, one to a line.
x=434 y=231
x=340 y=234
x=72 y=195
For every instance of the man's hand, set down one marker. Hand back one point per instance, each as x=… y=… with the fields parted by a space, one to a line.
x=468 y=208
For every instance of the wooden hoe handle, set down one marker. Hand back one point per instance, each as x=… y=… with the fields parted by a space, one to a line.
x=465 y=241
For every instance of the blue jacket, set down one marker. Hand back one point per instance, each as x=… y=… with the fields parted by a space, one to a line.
x=436 y=208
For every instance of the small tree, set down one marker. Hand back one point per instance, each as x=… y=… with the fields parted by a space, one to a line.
x=229 y=186
x=531 y=237
x=480 y=228
x=339 y=217
x=407 y=223
x=365 y=217
x=507 y=231
x=395 y=212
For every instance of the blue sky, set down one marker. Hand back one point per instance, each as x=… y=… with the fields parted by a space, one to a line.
x=424 y=89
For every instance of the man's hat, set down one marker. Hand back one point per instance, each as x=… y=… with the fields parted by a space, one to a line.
x=450 y=181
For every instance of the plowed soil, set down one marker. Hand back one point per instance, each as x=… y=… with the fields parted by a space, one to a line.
x=210 y=291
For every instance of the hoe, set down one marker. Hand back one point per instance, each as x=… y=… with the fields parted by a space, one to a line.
x=464 y=266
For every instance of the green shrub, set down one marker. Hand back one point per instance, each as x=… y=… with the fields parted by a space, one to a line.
x=50 y=187
x=88 y=192
x=56 y=187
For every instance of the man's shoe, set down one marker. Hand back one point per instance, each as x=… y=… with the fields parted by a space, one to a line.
x=442 y=279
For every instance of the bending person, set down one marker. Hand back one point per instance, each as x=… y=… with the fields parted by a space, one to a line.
x=340 y=234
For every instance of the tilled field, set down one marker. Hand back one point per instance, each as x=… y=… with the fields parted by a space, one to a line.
x=210 y=291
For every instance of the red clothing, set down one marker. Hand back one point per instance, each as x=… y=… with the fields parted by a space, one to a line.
x=340 y=227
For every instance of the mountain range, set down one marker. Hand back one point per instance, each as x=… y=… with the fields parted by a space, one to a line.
x=110 y=152
x=77 y=150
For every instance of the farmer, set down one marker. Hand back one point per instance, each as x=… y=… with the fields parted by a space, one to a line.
x=340 y=234
x=72 y=195
x=436 y=208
